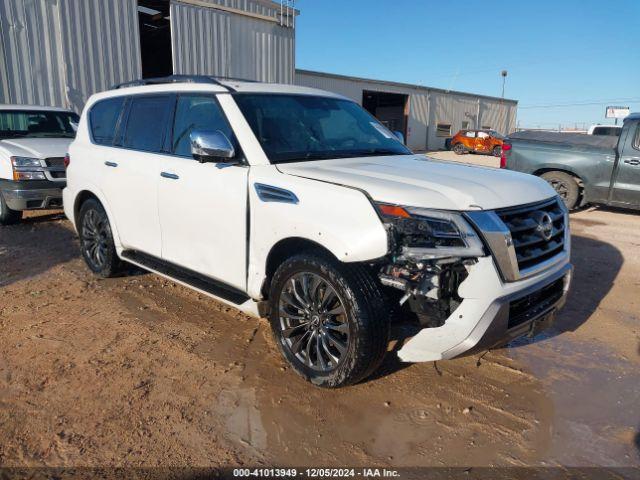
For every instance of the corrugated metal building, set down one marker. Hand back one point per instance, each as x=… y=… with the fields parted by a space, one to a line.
x=58 y=52
x=426 y=116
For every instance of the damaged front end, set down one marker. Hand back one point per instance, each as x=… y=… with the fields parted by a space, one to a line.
x=430 y=255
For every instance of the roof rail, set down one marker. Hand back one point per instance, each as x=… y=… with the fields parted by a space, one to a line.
x=172 y=79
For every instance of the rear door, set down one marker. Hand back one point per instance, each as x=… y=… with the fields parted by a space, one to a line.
x=203 y=206
x=131 y=171
x=626 y=188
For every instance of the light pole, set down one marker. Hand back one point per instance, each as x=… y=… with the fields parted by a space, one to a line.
x=504 y=79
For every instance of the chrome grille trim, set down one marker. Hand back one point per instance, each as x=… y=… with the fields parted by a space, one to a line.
x=531 y=245
x=514 y=237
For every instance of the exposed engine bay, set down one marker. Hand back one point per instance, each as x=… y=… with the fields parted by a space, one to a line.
x=428 y=261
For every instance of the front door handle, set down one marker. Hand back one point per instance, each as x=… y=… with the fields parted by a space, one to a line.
x=172 y=176
x=633 y=161
x=111 y=164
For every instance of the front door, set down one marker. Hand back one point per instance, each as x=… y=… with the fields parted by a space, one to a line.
x=626 y=189
x=131 y=172
x=483 y=142
x=203 y=206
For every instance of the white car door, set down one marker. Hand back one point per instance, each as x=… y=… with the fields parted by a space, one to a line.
x=203 y=206
x=131 y=180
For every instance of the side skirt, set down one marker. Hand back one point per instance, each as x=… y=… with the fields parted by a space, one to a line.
x=209 y=286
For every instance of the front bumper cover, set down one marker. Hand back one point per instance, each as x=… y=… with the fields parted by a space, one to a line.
x=482 y=319
x=32 y=195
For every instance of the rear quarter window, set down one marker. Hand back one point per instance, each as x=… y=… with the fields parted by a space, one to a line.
x=103 y=120
x=147 y=122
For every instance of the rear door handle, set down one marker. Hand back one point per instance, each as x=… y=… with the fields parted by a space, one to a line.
x=111 y=164
x=633 y=161
x=172 y=176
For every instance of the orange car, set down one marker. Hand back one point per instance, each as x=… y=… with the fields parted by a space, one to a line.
x=477 y=141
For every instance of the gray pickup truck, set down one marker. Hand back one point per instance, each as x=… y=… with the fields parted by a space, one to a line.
x=582 y=168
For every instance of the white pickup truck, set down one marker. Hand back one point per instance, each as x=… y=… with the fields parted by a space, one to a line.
x=295 y=204
x=33 y=143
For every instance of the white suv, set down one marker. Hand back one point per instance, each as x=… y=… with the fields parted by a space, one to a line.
x=295 y=204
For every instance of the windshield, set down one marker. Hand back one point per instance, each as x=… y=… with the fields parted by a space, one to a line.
x=294 y=128
x=37 y=124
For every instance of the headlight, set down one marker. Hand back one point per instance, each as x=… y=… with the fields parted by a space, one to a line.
x=19 y=162
x=428 y=233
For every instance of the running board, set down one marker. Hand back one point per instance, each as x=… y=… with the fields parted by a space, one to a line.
x=186 y=276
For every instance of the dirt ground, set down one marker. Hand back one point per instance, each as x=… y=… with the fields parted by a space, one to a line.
x=138 y=371
x=474 y=158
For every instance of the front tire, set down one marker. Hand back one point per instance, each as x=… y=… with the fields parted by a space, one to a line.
x=96 y=240
x=329 y=319
x=566 y=187
x=459 y=149
x=7 y=215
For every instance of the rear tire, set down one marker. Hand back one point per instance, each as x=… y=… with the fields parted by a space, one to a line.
x=459 y=149
x=7 y=215
x=329 y=319
x=497 y=151
x=96 y=240
x=566 y=187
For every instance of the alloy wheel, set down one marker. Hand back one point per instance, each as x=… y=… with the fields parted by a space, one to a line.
x=561 y=188
x=313 y=321
x=95 y=238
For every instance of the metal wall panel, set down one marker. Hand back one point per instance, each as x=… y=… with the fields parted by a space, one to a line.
x=214 y=42
x=59 y=52
x=101 y=46
x=32 y=66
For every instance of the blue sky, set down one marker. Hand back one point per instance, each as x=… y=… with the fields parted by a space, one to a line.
x=583 y=52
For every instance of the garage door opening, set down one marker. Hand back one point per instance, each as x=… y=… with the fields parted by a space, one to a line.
x=155 y=38
x=392 y=109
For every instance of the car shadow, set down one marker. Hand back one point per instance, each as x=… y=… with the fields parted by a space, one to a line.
x=35 y=245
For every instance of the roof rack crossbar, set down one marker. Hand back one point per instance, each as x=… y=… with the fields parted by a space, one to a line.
x=173 y=79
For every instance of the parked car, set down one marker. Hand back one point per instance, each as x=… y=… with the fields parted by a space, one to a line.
x=33 y=143
x=477 y=141
x=583 y=169
x=613 y=130
x=297 y=205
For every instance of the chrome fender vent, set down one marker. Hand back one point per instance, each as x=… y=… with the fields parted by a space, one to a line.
x=269 y=193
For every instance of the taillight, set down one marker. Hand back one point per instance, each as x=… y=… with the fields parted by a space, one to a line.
x=503 y=156
x=67 y=160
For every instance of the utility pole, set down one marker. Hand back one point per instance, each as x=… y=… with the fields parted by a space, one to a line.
x=504 y=79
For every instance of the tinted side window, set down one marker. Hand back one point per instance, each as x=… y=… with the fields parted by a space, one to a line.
x=147 y=122
x=104 y=118
x=197 y=112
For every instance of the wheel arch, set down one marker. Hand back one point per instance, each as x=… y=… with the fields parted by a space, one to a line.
x=578 y=179
x=87 y=194
x=286 y=248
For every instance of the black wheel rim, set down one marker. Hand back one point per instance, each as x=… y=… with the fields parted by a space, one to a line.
x=560 y=187
x=95 y=238
x=313 y=322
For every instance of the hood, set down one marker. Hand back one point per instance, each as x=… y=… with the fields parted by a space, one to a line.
x=36 y=147
x=419 y=181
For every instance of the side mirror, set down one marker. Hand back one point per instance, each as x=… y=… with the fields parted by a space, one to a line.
x=211 y=146
x=399 y=135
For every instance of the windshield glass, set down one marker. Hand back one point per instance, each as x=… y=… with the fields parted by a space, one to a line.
x=37 y=124
x=294 y=128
